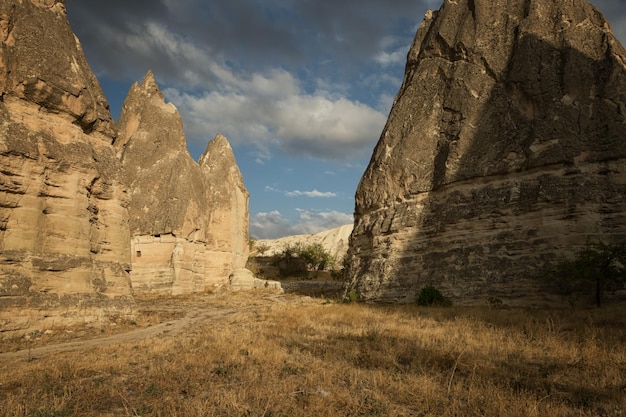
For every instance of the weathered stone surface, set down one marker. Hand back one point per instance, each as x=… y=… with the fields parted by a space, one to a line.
x=227 y=201
x=189 y=221
x=334 y=241
x=243 y=279
x=64 y=237
x=60 y=82
x=505 y=148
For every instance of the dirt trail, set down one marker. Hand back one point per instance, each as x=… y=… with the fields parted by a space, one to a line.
x=194 y=315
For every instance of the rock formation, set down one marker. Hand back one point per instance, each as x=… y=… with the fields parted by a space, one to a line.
x=334 y=241
x=189 y=221
x=64 y=237
x=83 y=201
x=244 y=279
x=505 y=149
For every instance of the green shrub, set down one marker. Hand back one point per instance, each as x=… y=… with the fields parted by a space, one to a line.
x=431 y=296
x=314 y=255
x=351 y=296
x=494 y=302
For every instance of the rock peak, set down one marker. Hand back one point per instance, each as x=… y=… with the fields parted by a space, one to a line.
x=145 y=110
x=60 y=82
x=149 y=86
x=180 y=211
x=220 y=147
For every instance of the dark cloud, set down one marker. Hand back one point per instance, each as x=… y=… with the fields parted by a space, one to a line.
x=312 y=77
x=325 y=38
x=321 y=35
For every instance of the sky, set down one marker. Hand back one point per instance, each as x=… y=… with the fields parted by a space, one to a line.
x=301 y=88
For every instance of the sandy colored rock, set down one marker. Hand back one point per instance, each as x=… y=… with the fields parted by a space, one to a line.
x=189 y=221
x=334 y=241
x=64 y=236
x=505 y=149
x=243 y=279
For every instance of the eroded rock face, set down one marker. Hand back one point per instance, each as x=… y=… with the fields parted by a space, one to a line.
x=227 y=202
x=505 y=148
x=64 y=236
x=189 y=221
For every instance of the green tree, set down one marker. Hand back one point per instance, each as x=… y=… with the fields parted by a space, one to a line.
x=431 y=296
x=597 y=268
x=316 y=257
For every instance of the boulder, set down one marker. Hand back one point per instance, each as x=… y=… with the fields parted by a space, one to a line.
x=505 y=150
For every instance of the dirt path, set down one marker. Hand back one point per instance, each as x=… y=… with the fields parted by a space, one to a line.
x=195 y=313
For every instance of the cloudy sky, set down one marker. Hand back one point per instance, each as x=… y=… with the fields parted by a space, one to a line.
x=301 y=88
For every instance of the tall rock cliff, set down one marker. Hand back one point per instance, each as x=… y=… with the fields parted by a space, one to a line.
x=64 y=236
x=189 y=221
x=505 y=149
x=227 y=203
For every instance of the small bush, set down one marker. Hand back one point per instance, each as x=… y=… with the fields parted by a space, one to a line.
x=314 y=255
x=262 y=248
x=494 y=302
x=431 y=296
x=351 y=297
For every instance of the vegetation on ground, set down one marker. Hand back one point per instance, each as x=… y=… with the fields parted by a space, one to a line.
x=597 y=269
x=431 y=296
x=298 y=356
x=314 y=255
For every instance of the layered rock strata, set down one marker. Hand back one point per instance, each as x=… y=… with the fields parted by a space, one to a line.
x=64 y=236
x=83 y=201
x=504 y=150
x=188 y=221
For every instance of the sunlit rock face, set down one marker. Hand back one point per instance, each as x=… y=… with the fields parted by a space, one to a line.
x=189 y=221
x=90 y=212
x=505 y=148
x=64 y=236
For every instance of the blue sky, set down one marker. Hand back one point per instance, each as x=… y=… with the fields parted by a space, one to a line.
x=301 y=88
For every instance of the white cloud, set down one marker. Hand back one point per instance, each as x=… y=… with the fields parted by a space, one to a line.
x=310 y=194
x=269 y=225
x=273 y=225
x=266 y=110
x=315 y=222
x=297 y=193
x=271 y=111
x=391 y=58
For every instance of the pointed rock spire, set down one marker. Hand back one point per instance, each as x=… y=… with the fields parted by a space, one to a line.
x=189 y=221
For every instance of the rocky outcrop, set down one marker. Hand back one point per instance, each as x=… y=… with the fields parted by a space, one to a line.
x=334 y=241
x=64 y=236
x=227 y=204
x=83 y=201
x=188 y=221
x=505 y=149
x=244 y=279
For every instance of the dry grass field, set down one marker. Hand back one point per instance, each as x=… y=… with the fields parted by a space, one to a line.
x=283 y=355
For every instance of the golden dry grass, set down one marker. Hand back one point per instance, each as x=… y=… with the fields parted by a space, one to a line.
x=290 y=356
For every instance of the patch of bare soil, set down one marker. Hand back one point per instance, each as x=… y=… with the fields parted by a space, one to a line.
x=156 y=315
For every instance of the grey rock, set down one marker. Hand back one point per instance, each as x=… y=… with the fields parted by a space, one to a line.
x=504 y=150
